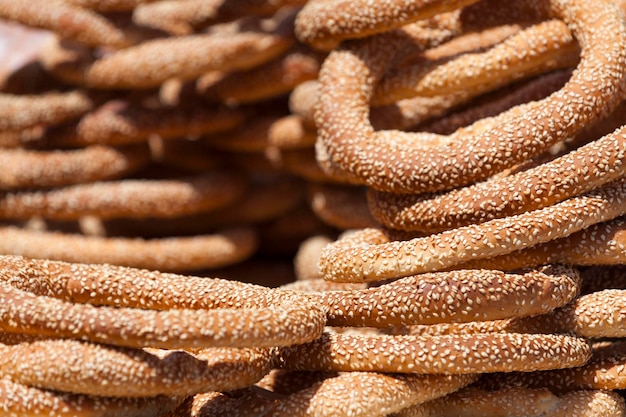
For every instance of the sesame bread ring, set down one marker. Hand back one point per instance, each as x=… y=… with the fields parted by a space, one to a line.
x=17 y=400
x=93 y=369
x=448 y=354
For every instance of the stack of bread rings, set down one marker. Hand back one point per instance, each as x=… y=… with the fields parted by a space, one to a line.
x=138 y=140
x=510 y=170
x=445 y=181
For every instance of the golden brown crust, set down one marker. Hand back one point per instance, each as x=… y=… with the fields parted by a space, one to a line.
x=251 y=136
x=324 y=23
x=606 y=370
x=92 y=369
x=485 y=352
x=218 y=249
x=58 y=168
x=182 y=17
x=132 y=307
x=349 y=73
x=476 y=402
x=502 y=100
x=532 y=51
x=127 y=198
x=109 y=5
x=302 y=162
x=595 y=315
x=302 y=102
x=577 y=172
x=291 y=132
x=67 y=20
x=307 y=258
x=273 y=79
x=341 y=206
x=457 y=296
x=590 y=404
x=371 y=394
x=120 y=122
x=21 y=401
x=146 y=65
x=241 y=403
x=19 y=112
x=603 y=243
x=379 y=258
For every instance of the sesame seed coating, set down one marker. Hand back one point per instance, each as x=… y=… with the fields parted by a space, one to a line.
x=595 y=315
x=532 y=90
x=17 y=400
x=182 y=17
x=513 y=325
x=108 y=285
x=591 y=403
x=599 y=314
x=67 y=20
x=578 y=403
x=367 y=394
x=85 y=368
x=395 y=313
x=348 y=77
x=286 y=323
x=282 y=381
x=18 y=112
x=120 y=306
x=575 y=173
x=241 y=403
x=127 y=198
x=447 y=354
x=603 y=243
x=323 y=23
x=605 y=370
x=313 y=285
x=474 y=402
x=535 y=50
x=220 y=248
x=348 y=261
x=25 y=169
x=188 y=57
x=457 y=296
x=272 y=79
x=407 y=113
x=119 y=122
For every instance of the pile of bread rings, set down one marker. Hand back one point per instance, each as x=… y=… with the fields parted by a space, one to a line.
x=472 y=153
x=117 y=151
